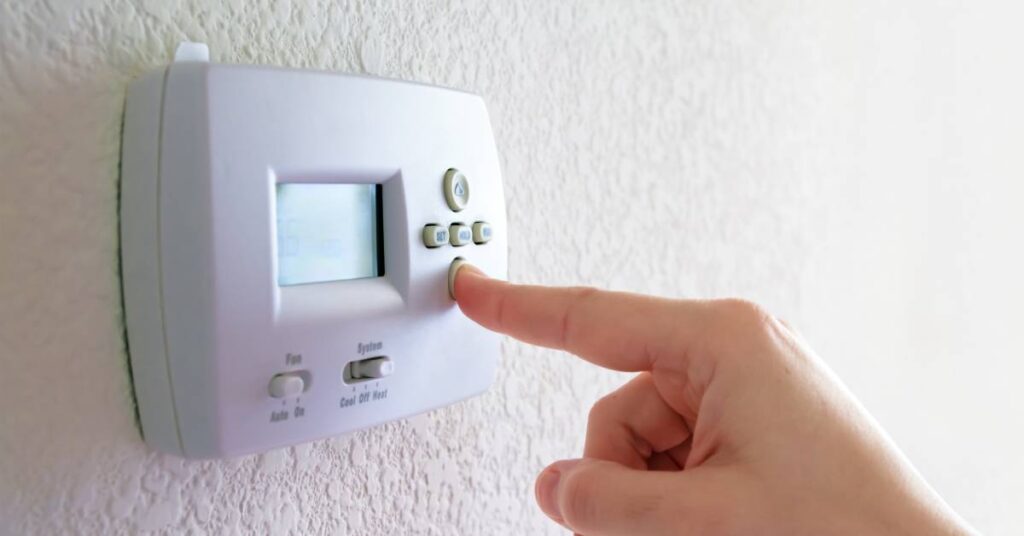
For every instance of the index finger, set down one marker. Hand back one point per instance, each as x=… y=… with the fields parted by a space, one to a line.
x=615 y=330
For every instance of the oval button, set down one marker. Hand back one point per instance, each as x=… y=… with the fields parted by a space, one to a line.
x=460 y=234
x=456 y=189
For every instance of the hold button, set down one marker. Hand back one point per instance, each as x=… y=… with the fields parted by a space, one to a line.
x=460 y=234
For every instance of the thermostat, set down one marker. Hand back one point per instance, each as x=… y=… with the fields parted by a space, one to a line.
x=286 y=242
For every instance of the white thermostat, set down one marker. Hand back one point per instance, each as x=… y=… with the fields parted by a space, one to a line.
x=286 y=242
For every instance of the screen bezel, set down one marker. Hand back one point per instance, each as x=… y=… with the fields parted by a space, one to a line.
x=331 y=302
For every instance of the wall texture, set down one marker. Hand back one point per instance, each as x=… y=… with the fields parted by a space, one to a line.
x=855 y=166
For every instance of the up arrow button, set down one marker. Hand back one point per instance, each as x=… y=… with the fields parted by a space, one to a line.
x=456 y=189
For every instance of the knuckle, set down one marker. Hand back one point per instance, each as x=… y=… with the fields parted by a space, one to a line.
x=740 y=306
x=644 y=506
x=589 y=501
x=602 y=408
x=745 y=315
x=579 y=298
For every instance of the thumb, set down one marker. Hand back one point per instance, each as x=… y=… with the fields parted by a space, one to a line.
x=602 y=498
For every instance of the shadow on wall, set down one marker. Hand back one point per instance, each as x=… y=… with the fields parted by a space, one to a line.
x=73 y=459
x=63 y=348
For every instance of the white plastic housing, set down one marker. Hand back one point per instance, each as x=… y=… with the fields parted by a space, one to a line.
x=208 y=326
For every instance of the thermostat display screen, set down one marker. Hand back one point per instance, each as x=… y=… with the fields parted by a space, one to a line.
x=328 y=232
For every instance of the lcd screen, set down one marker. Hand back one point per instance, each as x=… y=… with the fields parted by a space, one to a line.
x=328 y=232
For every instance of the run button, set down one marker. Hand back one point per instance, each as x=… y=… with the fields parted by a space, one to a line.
x=481 y=232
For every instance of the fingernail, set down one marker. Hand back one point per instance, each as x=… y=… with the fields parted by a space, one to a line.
x=472 y=269
x=547 y=488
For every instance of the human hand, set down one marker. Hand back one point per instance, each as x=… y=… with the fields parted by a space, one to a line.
x=732 y=426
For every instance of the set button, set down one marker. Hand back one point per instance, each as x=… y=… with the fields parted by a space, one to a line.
x=435 y=236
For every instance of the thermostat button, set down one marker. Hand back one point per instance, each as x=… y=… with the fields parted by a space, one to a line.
x=452 y=270
x=456 y=189
x=460 y=234
x=286 y=385
x=481 y=232
x=435 y=236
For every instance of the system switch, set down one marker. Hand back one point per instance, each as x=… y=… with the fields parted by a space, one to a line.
x=375 y=367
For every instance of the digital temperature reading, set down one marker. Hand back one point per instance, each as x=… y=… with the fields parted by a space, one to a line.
x=328 y=232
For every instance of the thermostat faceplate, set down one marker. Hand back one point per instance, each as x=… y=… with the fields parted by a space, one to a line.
x=280 y=282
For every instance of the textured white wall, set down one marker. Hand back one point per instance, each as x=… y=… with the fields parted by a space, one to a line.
x=856 y=166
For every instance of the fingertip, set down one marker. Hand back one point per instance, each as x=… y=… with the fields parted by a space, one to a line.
x=471 y=269
x=546 y=492
x=463 y=281
x=547 y=487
